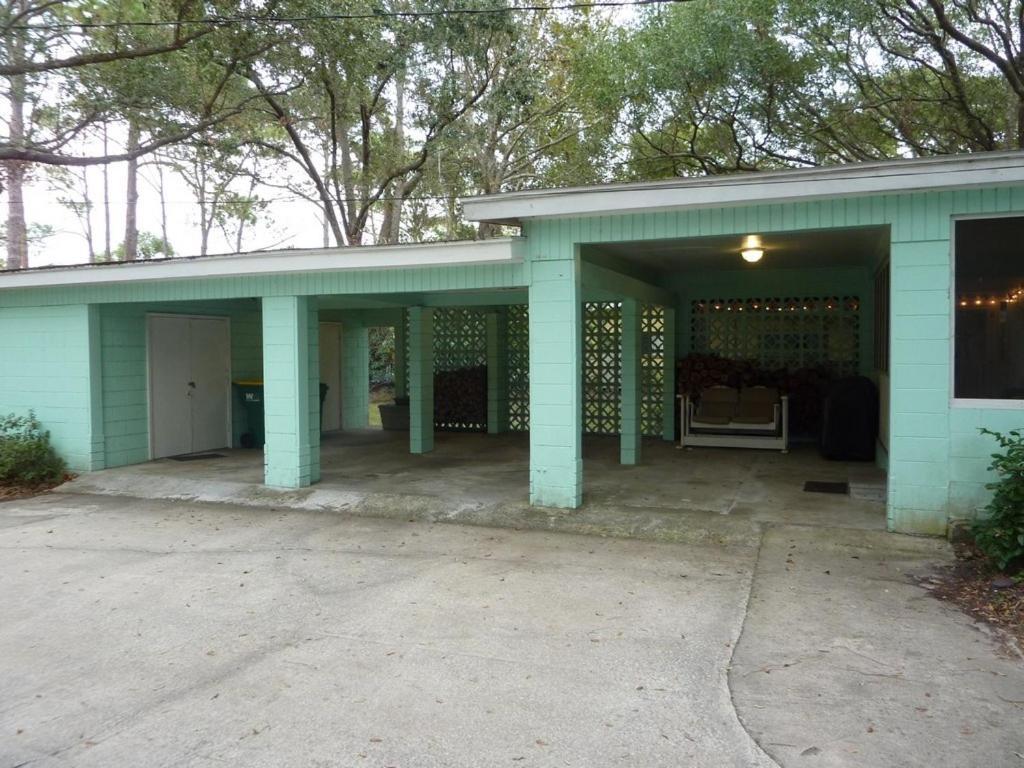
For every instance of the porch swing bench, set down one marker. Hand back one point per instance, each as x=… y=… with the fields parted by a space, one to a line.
x=726 y=417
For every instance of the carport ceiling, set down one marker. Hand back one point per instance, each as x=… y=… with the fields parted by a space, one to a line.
x=786 y=250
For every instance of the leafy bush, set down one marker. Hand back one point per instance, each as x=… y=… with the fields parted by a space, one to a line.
x=382 y=355
x=1000 y=533
x=26 y=456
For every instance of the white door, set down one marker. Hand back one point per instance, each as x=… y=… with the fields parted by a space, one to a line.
x=170 y=421
x=330 y=374
x=189 y=384
x=210 y=383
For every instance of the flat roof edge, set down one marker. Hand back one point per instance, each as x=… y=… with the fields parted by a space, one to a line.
x=269 y=263
x=855 y=179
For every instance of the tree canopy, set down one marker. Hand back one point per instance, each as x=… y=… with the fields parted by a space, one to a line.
x=380 y=115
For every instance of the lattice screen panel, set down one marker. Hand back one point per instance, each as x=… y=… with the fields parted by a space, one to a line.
x=652 y=369
x=460 y=344
x=602 y=367
x=518 y=342
x=460 y=338
x=780 y=332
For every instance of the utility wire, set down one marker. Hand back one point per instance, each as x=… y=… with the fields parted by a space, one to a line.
x=253 y=200
x=219 y=21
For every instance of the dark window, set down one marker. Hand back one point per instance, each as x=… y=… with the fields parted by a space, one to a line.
x=989 y=295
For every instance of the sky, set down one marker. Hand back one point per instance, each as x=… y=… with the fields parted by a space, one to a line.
x=285 y=223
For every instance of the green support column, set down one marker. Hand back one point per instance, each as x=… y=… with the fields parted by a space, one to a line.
x=401 y=366
x=918 y=480
x=497 y=371
x=556 y=352
x=355 y=375
x=629 y=429
x=421 y=379
x=290 y=398
x=669 y=407
x=97 y=437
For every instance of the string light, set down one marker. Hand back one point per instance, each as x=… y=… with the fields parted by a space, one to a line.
x=1012 y=297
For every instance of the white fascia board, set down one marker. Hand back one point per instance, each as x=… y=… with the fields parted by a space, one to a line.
x=854 y=180
x=410 y=256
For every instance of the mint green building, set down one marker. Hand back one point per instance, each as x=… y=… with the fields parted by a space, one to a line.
x=908 y=272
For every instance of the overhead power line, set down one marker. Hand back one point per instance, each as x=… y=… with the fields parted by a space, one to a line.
x=223 y=21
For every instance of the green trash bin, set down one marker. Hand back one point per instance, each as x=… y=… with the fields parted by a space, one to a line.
x=251 y=393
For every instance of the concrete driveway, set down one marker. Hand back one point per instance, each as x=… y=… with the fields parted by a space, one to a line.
x=181 y=634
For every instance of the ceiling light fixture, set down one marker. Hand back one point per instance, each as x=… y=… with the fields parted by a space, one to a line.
x=752 y=252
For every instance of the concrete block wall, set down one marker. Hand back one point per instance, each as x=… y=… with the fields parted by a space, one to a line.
x=46 y=367
x=556 y=351
x=291 y=379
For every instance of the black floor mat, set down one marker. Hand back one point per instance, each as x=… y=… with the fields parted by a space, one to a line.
x=816 y=486
x=196 y=456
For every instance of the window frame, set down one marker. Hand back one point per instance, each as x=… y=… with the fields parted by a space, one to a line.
x=970 y=402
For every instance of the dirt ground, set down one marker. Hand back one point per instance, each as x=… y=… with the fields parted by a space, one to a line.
x=978 y=589
x=383 y=393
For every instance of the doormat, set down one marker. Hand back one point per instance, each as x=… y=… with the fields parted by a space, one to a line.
x=196 y=456
x=816 y=486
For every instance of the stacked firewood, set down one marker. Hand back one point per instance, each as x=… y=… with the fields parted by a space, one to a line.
x=806 y=387
x=460 y=399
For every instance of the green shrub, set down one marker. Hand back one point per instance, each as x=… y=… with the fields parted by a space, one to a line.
x=1000 y=533
x=26 y=456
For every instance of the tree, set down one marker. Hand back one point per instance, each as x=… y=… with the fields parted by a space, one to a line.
x=107 y=43
x=340 y=86
x=539 y=125
x=937 y=76
x=71 y=186
x=714 y=87
x=148 y=246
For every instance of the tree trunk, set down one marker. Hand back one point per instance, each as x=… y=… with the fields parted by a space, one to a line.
x=107 y=255
x=17 y=229
x=131 y=221
x=87 y=216
x=161 y=190
x=391 y=229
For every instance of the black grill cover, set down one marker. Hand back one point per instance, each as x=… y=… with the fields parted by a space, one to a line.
x=849 y=424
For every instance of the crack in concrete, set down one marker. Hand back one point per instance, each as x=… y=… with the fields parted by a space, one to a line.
x=736 y=643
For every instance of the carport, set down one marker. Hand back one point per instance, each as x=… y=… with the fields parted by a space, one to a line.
x=578 y=325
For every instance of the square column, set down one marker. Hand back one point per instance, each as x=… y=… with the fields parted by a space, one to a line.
x=919 y=387
x=421 y=380
x=668 y=393
x=629 y=423
x=497 y=371
x=291 y=398
x=401 y=351
x=556 y=362
x=355 y=375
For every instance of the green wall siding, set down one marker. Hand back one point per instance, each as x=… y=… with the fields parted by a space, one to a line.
x=393 y=281
x=936 y=459
x=936 y=466
x=45 y=366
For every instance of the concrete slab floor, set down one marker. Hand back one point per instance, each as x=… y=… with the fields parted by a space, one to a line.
x=166 y=633
x=474 y=478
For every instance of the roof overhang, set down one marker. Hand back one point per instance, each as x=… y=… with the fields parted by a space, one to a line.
x=853 y=180
x=262 y=263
